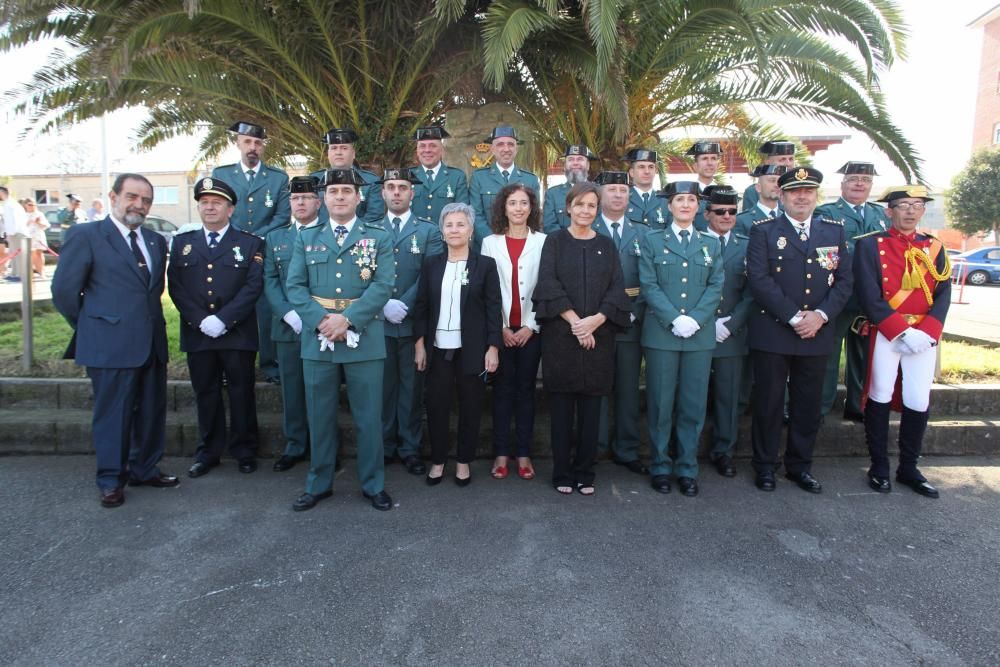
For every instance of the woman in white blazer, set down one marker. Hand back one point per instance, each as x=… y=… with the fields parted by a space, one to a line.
x=516 y=247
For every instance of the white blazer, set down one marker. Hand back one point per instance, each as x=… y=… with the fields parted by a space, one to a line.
x=495 y=246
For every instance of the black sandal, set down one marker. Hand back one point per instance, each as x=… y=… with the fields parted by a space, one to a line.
x=586 y=489
x=564 y=489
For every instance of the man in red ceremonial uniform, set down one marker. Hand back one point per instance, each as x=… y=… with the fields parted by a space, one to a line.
x=902 y=280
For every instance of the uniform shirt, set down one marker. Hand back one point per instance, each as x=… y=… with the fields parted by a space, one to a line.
x=404 y=219
x=221 y=233
x=676 y=230
x=125 y=231
x=448 y=333
x=255 y=170
x=611 y=231
x=767 y=211
x=435 y=170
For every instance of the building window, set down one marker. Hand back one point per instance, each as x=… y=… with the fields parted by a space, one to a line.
x=166 y=194
x=996 y=134
x=46 y=197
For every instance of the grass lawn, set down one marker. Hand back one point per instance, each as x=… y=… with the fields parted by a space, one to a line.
x=960 y=362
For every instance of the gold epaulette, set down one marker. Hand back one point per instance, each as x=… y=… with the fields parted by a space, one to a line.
x=861 y=236
x=831 y=221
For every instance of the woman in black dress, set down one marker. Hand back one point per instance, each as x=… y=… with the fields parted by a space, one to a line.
x=580 y=301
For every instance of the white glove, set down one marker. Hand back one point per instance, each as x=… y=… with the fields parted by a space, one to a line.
x=352 y=338
x=394 y=311
x=685 y=326
x=721 y=332
x=917 y=341
x=324 y=343
x=293 y=320
x=212 y=326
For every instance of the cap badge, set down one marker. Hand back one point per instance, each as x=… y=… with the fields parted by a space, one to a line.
x=207 y=184
x=801 y=175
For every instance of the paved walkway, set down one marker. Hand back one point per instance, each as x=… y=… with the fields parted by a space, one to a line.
x=220 y=571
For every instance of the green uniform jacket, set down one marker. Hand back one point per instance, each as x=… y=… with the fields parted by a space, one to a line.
x=277 y=258
x=554 y=215
x=418 y=240
x=747 y=219
x=485 y=186
x=371 y=208
x=628 y=255
x=674 y=283
x=320 y=268
x=449 y=186
x=262 y=208
x=750 y=197
x=736 y=300
x=874 y=219
x=654 y=213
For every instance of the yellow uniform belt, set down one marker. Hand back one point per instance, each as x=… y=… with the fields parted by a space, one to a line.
x=333 y=304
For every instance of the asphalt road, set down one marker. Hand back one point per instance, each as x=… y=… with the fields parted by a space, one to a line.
x=220 y=571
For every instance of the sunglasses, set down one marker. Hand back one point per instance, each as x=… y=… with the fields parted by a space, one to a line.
x=723 y=211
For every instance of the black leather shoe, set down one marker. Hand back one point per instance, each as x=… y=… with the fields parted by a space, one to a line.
x=112 y=497
x=921 y=486
x=434 y=481
x=307 y=501
x=880 y=484
x=660 y=483
x=852 y=416
x=632 y=466
x=687 y=486
x=199 y=468
x=724 y=466
x=414 y=466
x=248 y=466
x=286 y=463
x=160 y=482
x=764 y=481
x=805 y=481
x=380 y=501
x=463 y=482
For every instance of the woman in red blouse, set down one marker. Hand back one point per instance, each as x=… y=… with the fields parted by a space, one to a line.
x=516 y=246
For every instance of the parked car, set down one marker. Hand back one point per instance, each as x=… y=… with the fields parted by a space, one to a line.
x=981 y=266
x=54 y=234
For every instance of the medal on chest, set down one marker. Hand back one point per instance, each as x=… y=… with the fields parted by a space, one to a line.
x=364 y=252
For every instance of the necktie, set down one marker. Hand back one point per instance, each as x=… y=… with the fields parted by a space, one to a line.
x=506 y=176
x=430 y=177
x=213 y=239
x=773 y=214
x=860 y=210
x=645 y=198
x=684 y=238
x=341 y=233
x=133 y=241
x=803 y=236
x=722 y=245
x=250 y=175
x=616 y=234
x=395 y=225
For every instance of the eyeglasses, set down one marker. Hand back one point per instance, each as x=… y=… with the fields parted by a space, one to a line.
x=858 y=179
x=910 y=206
x=723 y=211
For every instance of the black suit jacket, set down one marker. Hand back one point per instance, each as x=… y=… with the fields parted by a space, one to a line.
x=788 y=275
x=481 y=314
x=225 y=282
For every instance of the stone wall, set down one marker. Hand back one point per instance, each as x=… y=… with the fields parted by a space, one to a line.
x=469 y=129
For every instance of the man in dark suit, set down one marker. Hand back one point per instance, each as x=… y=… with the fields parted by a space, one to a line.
x=800 y=275
x=216 y=276
x=108 y=285
x=261 y=207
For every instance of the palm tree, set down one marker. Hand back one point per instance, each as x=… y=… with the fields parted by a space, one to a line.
x=617 y=73
x=298 y=67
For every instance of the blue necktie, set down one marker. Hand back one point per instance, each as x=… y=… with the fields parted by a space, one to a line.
x=615 y=226
x=684 y=238
x=213 y=239
x=341 y=233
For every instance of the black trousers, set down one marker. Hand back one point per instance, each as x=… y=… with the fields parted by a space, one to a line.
x=804 y=377
x=206 y=370
x=569 y=470
x=444 y=379
x=514 y=396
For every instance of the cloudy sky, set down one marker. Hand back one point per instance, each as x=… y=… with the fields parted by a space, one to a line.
x=931 y=95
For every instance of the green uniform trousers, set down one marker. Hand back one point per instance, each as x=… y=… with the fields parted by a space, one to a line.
x=623 y=439
x=402 y=391
x=295 y=423
x=854 y=370
x=681 y=412
x=364 y=395
x=727 y=380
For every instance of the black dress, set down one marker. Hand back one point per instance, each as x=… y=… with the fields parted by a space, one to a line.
x=584 y=276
